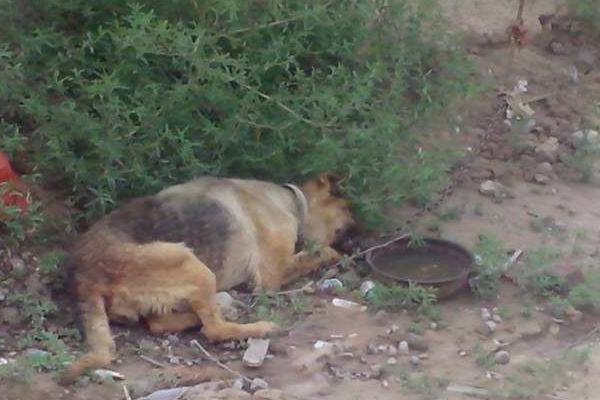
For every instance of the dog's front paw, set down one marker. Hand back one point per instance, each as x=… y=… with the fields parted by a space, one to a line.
x=265 y=328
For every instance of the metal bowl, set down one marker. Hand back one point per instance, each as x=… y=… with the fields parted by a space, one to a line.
x=390 y=264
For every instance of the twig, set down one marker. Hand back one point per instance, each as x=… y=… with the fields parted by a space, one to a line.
x=520 y=12
x=127 y=395
x=196 y=344
x=282 y=106
x=269 y=25
x=304 y=288
x=152 y=361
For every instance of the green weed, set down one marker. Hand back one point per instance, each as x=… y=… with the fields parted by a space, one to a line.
x=490 y=258
x=587 y=294
x=414 y=297
x=110 y=100
x=534 y=273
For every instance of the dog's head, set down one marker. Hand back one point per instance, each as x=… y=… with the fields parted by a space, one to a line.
x=329 y=215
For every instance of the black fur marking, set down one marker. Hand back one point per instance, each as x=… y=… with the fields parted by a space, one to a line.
x=203 y=225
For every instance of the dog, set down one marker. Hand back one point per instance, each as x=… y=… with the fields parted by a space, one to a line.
x=161 y=259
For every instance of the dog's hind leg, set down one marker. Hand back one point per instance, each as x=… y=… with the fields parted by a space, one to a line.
x=101 y=347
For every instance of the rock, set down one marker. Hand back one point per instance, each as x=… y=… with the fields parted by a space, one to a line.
x=349 y=305
x=268 y=394
x=491 y=325
x=495 y=190
x=392 y=350
x=548 y=150
x=392 y=329
x=238 y=384
x=18 y=267
x=554 y=329
x=106 y=374
x=415 y=361
x=392 y=361
x=569 y=273
x=433 y=326
x=541 y=179
x=258 y=384
x=35 y=353
x=330 y=285
x=417 y=342
x=3 y=293
x=403 y=348
x=485 y=314
x=173 y=360
x=544 y=168
x=173 y=339
x=502 y=357
x=147 y=345
x=366 y=287
x=255 y=354
x=371 y=349
x=226 y=305
x=557 y=48
x=497 y=319
x=529 y=329
x=166 y=394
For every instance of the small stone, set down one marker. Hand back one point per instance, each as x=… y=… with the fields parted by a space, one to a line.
x=544 y=168
x=497 y=319
x=557 y=48
x=238 y=384
x=491 y=325
x=258 y=384
x=415 y=361
x=224 y=394
x=174 y=360
x=330 y=285
x=485 y=314
x=548 y=150
x=541 y=179
x=502 y=357
x=106 y=374
x=366 y=287
x=254 y=356
x=268 y=394
x=371 y=349
x=19 y=269
x=403 y=348
x=529 y=329
x=392 y=350
x=392 y=361
x=394 y=328
x=554 y=330
x=417 y=342
x=173 y=339
x=385 y=384
x=494 y=189
x=462 y=353
x=3 y=294
x=35 y=353
x=433 y=326
x=423 y=356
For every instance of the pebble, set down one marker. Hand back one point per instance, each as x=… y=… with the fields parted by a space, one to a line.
x=238 y=384
x=497 y=319
x=433 y=326
x=417 y=342
x=403 y=348
x=366 y=287
x=35 y=353
x=414 y=360
x=385 y=383
x=502 y=357
x=371 y=349
x=174 y=360
x=258 y=384
x=392 y=361
x=462 y=353
x=330 y=285
x=485 y=314
x=491 y=325
x=350 y=305
x=254 y=356
x=18 y=266
x=108 y=374
x=494 y=189
x=173 y=339
x=392 y=350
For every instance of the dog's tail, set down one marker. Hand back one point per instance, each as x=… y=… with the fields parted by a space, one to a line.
x=101 y=346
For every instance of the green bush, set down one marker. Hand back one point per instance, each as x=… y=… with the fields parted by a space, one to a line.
x=110 y=99
x=588 y=10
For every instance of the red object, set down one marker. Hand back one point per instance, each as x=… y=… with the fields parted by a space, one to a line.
x=10 y=185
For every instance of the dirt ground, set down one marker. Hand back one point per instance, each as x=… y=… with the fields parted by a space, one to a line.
x=454 y=347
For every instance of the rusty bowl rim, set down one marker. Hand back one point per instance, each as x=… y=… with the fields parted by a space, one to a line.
x=463 y=276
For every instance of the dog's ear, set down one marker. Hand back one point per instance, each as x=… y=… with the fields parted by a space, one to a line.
x=329 y=181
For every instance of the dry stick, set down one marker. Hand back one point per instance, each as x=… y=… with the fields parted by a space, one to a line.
x=520 y=12
x=153 y=362
x=195 y=343
x=584 y=337
x=127 y=395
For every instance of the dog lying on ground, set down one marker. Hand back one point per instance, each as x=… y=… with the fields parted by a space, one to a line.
x=162 y=258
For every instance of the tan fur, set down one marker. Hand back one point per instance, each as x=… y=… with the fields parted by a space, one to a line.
x=122 y=279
